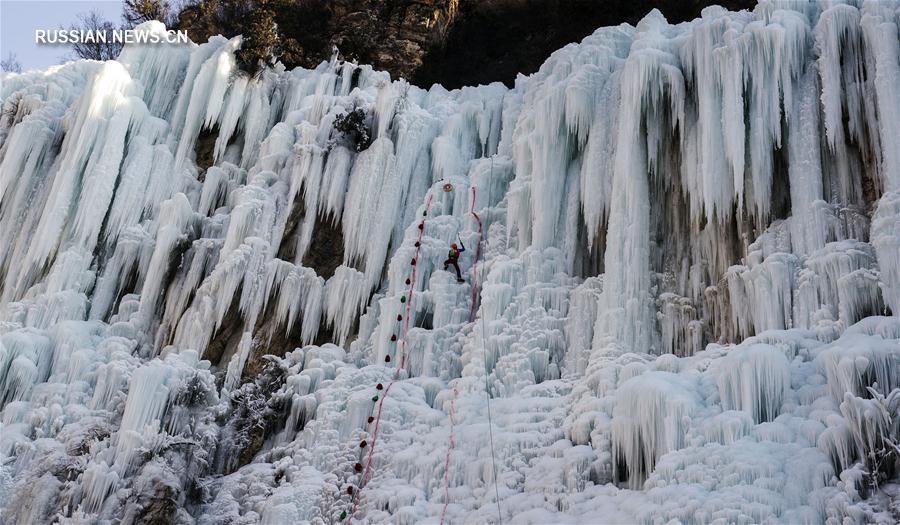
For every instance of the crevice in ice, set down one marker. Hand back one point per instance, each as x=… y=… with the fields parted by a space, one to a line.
x=224 y=341
x=203 y=151
x=326 y=248
x=255 y=413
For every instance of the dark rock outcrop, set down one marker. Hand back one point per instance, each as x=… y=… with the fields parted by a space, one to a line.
x=468 y=42
x=391 y=35
x=491 y=40
x=450 y=42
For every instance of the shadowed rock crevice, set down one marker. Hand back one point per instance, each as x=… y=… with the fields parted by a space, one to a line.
x=326 y=250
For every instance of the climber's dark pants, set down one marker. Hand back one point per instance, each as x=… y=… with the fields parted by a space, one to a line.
x=455 y=263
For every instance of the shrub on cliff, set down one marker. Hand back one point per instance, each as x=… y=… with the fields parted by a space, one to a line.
x=291 y=31
x=261 y=41
x=352 y=126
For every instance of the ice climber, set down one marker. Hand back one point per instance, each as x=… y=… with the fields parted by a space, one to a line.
x=453 y=258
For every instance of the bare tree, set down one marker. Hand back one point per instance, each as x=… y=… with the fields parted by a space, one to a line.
x=10 y=64
x=95 y=50
x=136 y=12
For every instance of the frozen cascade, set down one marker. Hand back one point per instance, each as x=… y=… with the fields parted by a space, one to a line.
x=648 y=421
x=753 y=379
x=650 y=80
x=681 y=282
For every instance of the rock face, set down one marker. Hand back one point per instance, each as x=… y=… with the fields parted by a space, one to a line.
x=449 y=42
x=468 y=42
x=395 y=35
x=490 y=40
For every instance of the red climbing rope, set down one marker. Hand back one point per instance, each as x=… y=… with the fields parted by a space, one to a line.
x=401 y=350
x=412 y=284
x=370 y=457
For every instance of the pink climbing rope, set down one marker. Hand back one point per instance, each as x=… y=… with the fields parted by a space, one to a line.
x=474 y=308
x=475 y=295
x=451 y=445
x=401 y=350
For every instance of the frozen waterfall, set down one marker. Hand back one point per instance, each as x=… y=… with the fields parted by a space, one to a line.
x=681 y=296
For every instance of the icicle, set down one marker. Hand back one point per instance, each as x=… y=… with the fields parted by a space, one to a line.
x=754 y=379
x=25 y=359
x=345 y=295
x=237 y=362
x=882 y=38
x=648 y=421
x=710 y=192
x=204 y=94
x=300 y=296
x=99 y=481
x=886 y=240
x=176 y=214
x=808 y=220
x=89 y=156
x=158 y=67
x=852 y=368
x=597 y=167
x=649 y=80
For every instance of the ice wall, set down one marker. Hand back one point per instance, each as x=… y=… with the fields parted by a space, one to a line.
x=681 y=282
